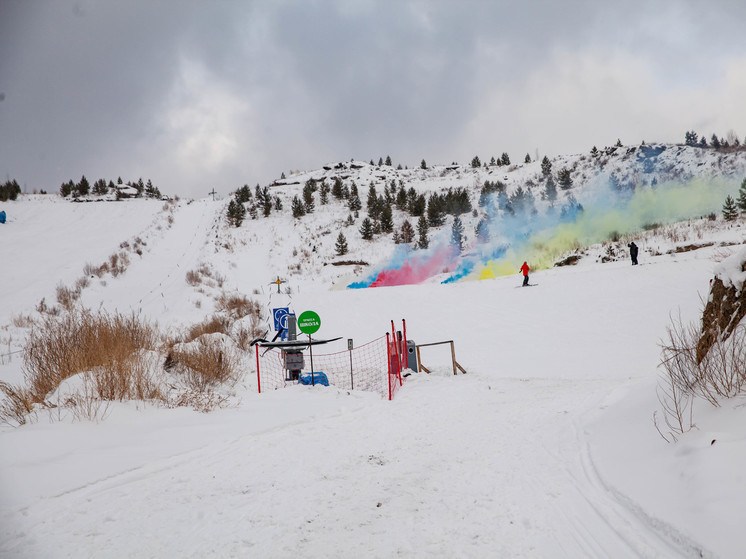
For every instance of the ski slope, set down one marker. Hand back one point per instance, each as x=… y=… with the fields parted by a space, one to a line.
x=544 y=449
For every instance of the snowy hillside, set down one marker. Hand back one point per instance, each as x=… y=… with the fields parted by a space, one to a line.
x=623 y=190
x=545 y=448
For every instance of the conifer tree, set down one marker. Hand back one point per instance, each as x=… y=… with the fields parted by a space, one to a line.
x=388 y=161
x=324 y=193
x=423 y=165
x=714 y=141
x=550 y=190
x=435 y=212
x=407 y=232
x=741 y=200
x=527 y=159
x=476 y=163
x=505 y=158
x=341 y=245
x=387 y=220
x=337 y=190
x=66 y=188
x=308 y=200
x=422 y=228
x=372 y=201
x=100 y=188
x=482 y=230
x=457 y=234
x=564 y=178
x=236 y=213
x=366 y=229
x=730 y=210
x=83 y=187
x=546 y=166
x=243 y=194
x=298 y=208
x=266 y=202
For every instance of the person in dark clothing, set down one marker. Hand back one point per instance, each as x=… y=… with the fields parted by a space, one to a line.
x=633 y=252
x=525 y=270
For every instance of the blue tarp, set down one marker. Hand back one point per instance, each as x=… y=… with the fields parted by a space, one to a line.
x=2 y=217
x=318 y=378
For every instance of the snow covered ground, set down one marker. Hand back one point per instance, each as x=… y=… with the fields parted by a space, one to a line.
x=546 y=448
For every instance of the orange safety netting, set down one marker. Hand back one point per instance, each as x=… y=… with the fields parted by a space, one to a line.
x=375 y=367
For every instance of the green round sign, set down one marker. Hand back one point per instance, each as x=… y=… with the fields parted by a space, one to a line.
x=309 y=322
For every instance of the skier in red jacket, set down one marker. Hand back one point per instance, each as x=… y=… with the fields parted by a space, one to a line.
x=525 y=270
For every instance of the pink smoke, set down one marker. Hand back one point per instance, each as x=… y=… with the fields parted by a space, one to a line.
x=420 y=268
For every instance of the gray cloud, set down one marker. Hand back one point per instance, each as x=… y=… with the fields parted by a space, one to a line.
x=196 y=95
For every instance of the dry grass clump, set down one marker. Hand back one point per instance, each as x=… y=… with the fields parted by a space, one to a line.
x=238 y=306
x=204 y=273
x=193 y=278
x=205 y=362
x=16 y=405
x=214 y=324
x=82 y=341
x=67 y=297
x=21 y=321
x=79 y=362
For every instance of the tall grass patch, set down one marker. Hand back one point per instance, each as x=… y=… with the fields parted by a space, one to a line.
x=82 y=341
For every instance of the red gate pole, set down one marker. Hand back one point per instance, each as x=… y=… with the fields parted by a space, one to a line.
x=396 y=347
x=405 y=349
x=258 y=378
x=388 y=359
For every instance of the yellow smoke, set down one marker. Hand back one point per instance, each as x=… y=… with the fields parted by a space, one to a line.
x=663 y=204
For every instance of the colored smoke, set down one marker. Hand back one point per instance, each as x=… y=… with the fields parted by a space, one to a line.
x=543 y=237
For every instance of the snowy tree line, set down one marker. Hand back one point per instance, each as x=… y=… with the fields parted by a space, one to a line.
x=101 y=188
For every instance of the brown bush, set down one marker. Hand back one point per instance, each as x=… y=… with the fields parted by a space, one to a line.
x=205 y=363
x=214 y=324
x=237 y=306
x=82 y=341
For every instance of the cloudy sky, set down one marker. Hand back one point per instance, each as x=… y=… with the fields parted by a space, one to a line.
x=217 y=94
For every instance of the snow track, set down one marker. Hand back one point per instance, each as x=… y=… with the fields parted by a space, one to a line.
x=456 y=467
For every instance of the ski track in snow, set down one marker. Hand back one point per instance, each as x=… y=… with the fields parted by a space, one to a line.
x=380 y=493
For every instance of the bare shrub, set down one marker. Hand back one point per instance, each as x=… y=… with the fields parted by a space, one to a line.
x=81 y=341
x=21 y=321
x=81 y=284
x=205 y=363
x=16 y=404
x=690 y=373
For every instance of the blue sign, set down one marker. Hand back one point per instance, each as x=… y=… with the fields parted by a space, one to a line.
x=281 y=321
